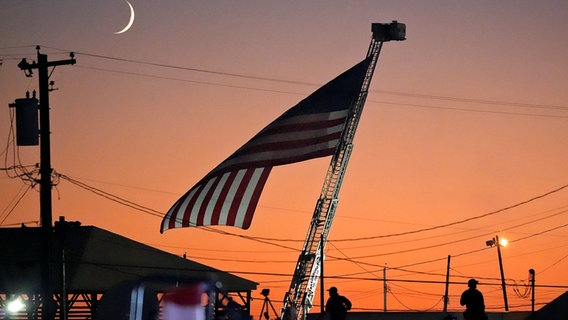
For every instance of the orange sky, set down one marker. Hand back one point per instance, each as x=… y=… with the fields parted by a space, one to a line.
x=466 y=117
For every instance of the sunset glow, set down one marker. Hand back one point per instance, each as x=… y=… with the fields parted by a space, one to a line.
x=464 y=137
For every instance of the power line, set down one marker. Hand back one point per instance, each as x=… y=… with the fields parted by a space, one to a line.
x=554 y=263
x=474 y=100
x=352 y=260
x=15 y=204
x=112 y=197
x=459 y=221
x=454 y=255
x=269 y=240
x=189 y=81
x=171 y=66
x=156 y=213
x=280 y=80
x=473 y=110
x=127 y=186
x=369 y=101
x=256 y=273
x=540 y=233
x=470 y=238
x=241 y=260
x=266 y=240
x=401 y=268
x=18 y=47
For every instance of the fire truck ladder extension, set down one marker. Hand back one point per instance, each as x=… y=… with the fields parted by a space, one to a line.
x=298 y=299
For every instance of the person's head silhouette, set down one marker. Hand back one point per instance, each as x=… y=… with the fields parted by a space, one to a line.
x=472 y=283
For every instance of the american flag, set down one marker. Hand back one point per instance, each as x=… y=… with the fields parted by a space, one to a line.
x=228 y=195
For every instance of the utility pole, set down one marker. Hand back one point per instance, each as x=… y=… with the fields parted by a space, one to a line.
x=495 y=242
x=498 y=244
x=45 y=144
x=446 y=297
x=532 y=274
x=42 y=65
x=385 y=288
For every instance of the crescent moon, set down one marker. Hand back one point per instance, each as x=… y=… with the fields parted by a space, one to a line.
x=130 y=22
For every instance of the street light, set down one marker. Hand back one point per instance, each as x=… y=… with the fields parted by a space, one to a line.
x=16 y=305
x=495 y=242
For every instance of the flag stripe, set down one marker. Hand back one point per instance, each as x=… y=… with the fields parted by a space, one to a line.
x=300 y=128
x=204 y=213
x=294 y=145
x=187 y=203
x=229 y=199
x=306 y=122
x=281 y=140
x=269 y=158
x=316 y=135
x=226 y=204
x=190 y=213
x=255 y=196
x=236 y=195
x=228 y=195
x=222 y=195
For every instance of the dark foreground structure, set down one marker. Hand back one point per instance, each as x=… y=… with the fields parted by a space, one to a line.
x=86 y=262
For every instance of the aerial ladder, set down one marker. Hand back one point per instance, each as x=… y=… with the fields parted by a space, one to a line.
x=298 y=299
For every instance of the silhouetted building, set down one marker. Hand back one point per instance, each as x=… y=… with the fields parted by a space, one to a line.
x=94 y=261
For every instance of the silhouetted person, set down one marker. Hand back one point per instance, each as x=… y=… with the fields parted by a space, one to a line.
x=235 y=311
x=336 y=306
x=473 y=301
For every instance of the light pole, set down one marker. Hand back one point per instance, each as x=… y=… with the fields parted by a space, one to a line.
x=495 y=242
x=531 y=272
